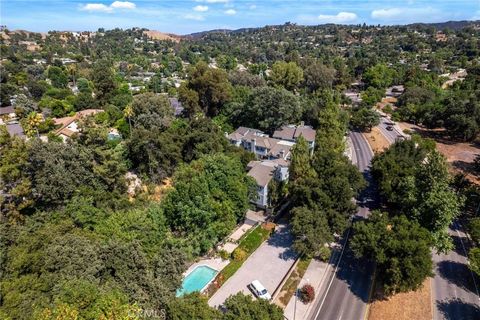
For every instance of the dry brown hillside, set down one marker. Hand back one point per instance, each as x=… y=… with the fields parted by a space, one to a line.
x=157 y=35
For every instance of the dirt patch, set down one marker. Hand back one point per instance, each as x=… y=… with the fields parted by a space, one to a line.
x=156 y=192
x=404 y=306
x=377 y=140
x=460 y=155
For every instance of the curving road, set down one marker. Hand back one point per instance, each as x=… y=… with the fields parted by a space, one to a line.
x=344 y=293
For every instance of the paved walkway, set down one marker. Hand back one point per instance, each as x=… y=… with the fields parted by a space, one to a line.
x=314 y=276
x=268 y=264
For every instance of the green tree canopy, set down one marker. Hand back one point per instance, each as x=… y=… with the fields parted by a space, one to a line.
x=400 y=247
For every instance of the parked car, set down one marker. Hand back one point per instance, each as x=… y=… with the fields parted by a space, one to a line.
x=259 y=290
x=389 y=128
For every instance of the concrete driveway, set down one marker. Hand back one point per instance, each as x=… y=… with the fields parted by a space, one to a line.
x=268 y=264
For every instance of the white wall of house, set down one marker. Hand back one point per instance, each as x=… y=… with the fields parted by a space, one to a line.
x=262 y=200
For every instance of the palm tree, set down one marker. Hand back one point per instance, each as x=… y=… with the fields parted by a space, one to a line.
x=128 y=113
x=72 y=70
x=32 y=122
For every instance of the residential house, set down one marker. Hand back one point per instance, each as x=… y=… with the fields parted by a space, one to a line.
x=259 y=143
x=69 y=125
x=263 y=172
x=292 y=133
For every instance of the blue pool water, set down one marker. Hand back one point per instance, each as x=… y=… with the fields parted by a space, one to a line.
x=196 y=280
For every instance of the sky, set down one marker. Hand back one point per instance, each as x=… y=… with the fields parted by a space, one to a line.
x=187 y=16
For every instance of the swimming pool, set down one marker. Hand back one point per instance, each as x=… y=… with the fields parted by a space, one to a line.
x=196 y=280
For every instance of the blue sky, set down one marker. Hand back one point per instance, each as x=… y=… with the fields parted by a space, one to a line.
x=186 y=16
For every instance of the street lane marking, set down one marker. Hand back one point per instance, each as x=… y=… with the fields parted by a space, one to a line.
x=466 y=257
x=336 y=268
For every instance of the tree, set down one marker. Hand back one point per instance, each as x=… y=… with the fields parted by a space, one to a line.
x=210 y=196
x=401 y=248
x=300 y=167
x=23 y=105
x=206 y=88
x=58 y=77
x=365 y=119
x=103 y=79
x=31 y=124
x=371 y=96
x=192 y=306
x=474 y=257
x=379 y=76
x=269 y=108
x=286 y=74
x=242 y=307
x=413 y=180
x=14 y=178
x=151 y=111
x=319 y=77
x=310 y=227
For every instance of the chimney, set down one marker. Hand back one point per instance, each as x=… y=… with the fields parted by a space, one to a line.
x=302 y=123
x=253 y=144
x=282 y=154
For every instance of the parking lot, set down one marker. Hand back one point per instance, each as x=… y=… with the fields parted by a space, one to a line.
x=268 y=264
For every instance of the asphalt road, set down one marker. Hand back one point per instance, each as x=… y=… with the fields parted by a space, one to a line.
x=391 y=136
x=344 y=293
x=455 y=287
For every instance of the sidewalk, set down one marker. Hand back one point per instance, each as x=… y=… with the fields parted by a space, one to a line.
x=314 y=276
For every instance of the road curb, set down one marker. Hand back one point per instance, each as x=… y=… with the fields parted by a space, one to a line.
x=370 y=294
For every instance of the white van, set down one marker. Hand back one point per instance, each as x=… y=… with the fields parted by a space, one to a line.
x=259 y=290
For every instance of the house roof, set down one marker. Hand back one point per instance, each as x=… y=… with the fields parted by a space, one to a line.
x=66 y=121
x=176 y=105
x=15 y=130
x=292 y=132
x=262 y=171
x=7 y=110
x=284 y=146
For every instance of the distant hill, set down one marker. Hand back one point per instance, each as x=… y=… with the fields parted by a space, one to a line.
x=157 y=35
x=454 y=25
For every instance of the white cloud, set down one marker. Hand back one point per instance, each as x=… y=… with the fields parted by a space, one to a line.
x=341 y=17
x=100 y=7
x=253 y=7
x=230 y=12
x=403 y=15
x=123 y=5
x=96 y=7
x=387 y=13
x=200 y=8
x=196 y=17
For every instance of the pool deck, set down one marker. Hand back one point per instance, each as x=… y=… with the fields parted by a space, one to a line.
x=214 y=263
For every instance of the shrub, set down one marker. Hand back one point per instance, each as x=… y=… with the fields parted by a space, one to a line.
x=307 y=294
x=239 y=254
x=388 y=109
x=324 y=253
x=224 y=254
